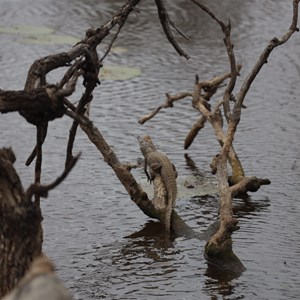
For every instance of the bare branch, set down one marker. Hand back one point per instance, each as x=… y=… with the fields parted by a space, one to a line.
x=194 y=131
x=42 y=190
x=165 y=21
x=177 y=29
x=229 y=47
x=275 y=42
x=210 y=13
x=70 y=86
x=134 y=190
x=112 y=42
x=233 y=68
x=79 y=119
x=77 y=65
x=168 y=103
x=248 y=184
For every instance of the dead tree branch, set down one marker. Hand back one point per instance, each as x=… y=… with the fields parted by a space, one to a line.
x=20 y=226
x=165 y=21
x=220 y=245
x=169 y=103
x=20 y=222
x=42 y=190
x=263 y=59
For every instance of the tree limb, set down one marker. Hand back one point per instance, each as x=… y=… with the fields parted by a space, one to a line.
x=165 y=21
x=169 y=103
x=42 y=190
x=263 y=59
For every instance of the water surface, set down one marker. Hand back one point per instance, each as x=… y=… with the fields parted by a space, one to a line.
x=91 y=227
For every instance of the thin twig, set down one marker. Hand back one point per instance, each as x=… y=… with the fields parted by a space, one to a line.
x=275 y=42
x=79 y=119
x=39 y=156
x=42 y=190
x=164 y=20
x=168 y=103
x=70 y=72
x=230 y=86
x=210 y=13
x=177 y=29
x=112 y=42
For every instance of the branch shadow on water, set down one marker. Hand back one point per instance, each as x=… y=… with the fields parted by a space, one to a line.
x=153 y=233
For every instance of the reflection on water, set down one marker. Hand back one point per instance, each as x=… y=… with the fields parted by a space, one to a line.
x=103 y=246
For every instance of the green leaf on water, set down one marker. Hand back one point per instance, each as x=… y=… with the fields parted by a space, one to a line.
x=40 y=35
x=28 y=30
x=118 y=50
x=118 y=72
x=50 y=39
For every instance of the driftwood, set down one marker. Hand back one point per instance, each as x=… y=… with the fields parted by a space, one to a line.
x=218 y=249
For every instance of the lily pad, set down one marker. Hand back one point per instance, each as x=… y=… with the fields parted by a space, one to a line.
x=28 y=30
x=40 y=35
x=118 y=72
x=50 y=39
x=118 y=50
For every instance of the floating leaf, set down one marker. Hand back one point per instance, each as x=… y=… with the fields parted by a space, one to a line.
x=118 y=50
x=40 y=35
x=50 y=39
x=28 y=30
x=117 y=72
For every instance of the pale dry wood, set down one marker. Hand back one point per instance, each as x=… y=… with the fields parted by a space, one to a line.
x=221 y=241
x=165 y=22
x=169 y=103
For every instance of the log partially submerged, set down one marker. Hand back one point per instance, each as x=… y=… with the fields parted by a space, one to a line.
x=218 y=249
x=41 y=102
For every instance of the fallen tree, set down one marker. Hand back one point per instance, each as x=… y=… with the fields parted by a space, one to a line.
x=41 y=102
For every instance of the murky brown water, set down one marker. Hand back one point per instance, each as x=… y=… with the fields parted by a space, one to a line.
x=89 y=220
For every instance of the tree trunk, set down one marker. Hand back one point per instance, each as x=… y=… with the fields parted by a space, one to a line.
x=20 y=226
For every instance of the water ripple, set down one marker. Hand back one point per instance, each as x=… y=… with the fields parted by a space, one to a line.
x=103 y=245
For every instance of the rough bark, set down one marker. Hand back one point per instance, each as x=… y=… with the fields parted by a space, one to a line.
x=20 y=226
x=41 y=102
x=20 y=221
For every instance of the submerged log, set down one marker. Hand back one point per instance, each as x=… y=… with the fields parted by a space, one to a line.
x=218 y=250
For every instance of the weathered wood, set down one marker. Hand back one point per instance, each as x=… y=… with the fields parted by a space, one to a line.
x=20 y=226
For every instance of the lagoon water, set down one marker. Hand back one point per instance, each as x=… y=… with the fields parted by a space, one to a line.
x=91 y=227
